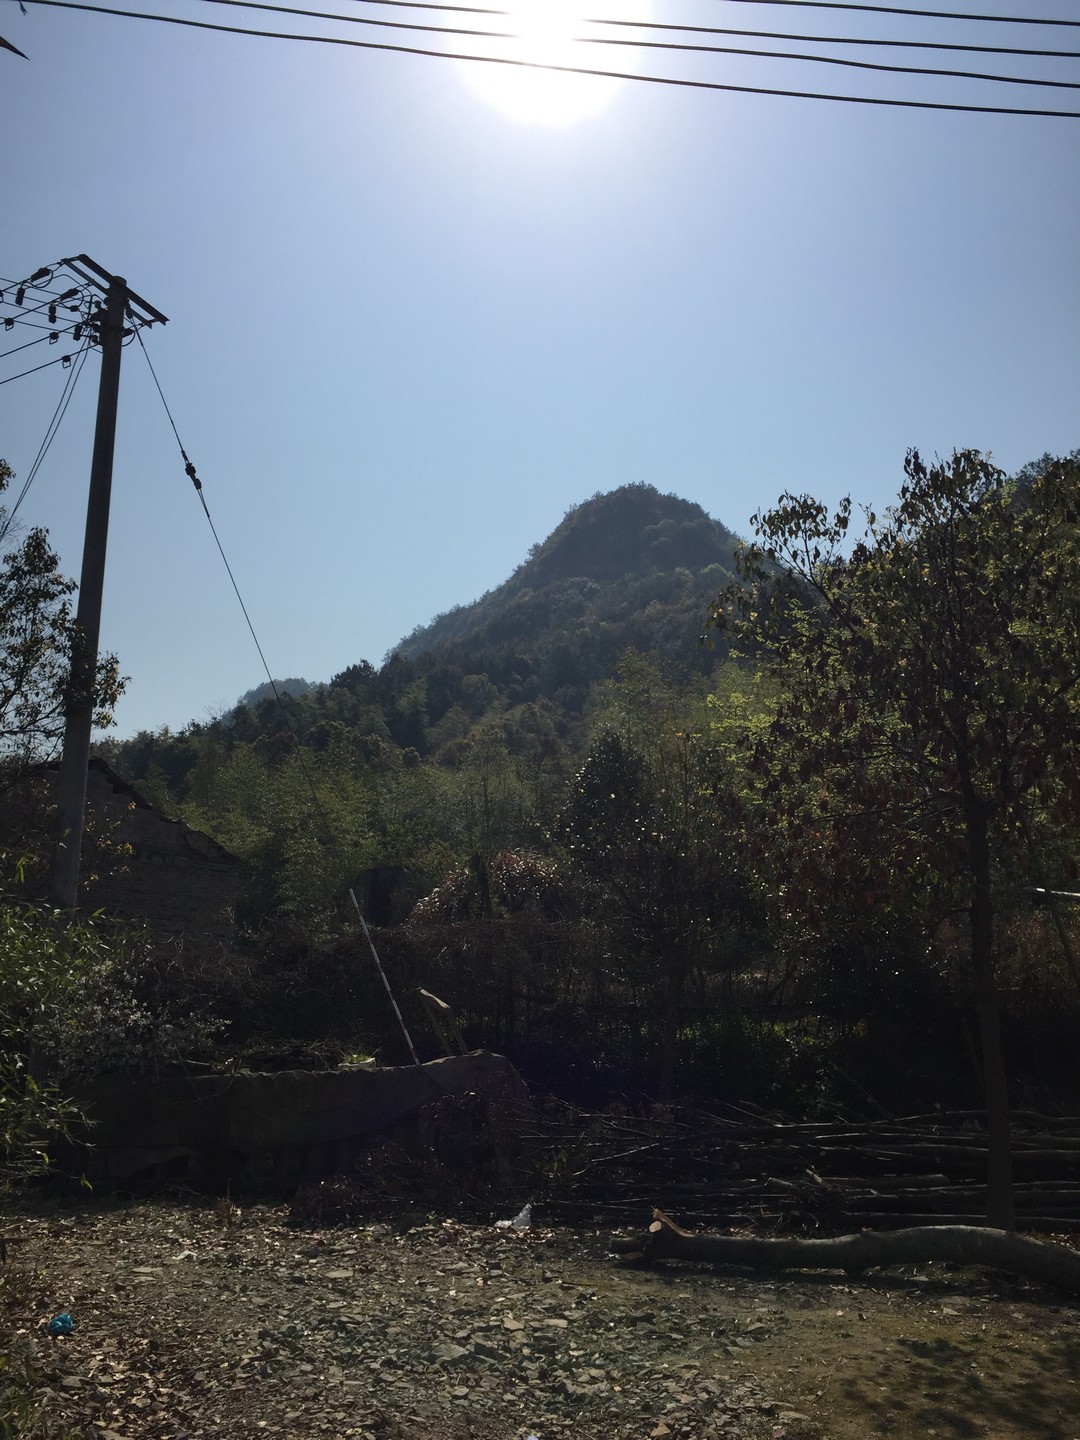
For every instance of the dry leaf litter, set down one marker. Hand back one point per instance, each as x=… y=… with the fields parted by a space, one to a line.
x=198 y=1322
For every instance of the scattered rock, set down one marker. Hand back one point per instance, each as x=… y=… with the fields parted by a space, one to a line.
x=454 y=1332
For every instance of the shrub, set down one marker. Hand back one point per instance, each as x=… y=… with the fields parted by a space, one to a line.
x=77 y=999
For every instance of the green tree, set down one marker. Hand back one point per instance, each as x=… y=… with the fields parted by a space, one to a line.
x=929 y=714
x=36 y=628
x=300 y=850
x=649 y=825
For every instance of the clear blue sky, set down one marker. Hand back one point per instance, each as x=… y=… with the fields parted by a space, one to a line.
x=408 y=331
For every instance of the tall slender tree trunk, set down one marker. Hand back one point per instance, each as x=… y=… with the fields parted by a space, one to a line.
x=674 y=988
x=999 y=1180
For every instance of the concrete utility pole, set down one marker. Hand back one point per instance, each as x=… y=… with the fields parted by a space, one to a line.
x=79 y=702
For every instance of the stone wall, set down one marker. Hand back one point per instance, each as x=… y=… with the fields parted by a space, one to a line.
x=271 y=1129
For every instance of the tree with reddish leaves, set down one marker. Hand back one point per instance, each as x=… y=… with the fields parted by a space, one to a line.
x=929 y=728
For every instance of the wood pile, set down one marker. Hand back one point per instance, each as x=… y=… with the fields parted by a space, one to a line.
x=744 y=1168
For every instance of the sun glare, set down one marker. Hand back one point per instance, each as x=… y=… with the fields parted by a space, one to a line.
x=550 y=32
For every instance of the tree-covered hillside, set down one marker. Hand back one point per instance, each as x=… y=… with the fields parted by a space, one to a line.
x=293 y=686
x=805 y=874
x=637 y=566
x=463 y=741
x=633 y=569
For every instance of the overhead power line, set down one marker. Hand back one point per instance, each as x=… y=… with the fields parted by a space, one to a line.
x=443 y=7
x=804 y=4
x=667 y=45
x=12 y=320
x=898 y=10
x=51 y=429
x=877 y=41
x=38 y=305
x=42 y=289
x=320 y=810
x=673 y=81
x=60 y=360
x=52 y=337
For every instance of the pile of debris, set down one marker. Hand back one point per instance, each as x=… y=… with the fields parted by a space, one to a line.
x=744 y=1168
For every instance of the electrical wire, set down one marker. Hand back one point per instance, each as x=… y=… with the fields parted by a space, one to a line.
x=740 y=33
x=805 y=4
x=31 y=325
x=50 y=435
x=60 y=360
x=367 y=20
x=51 y=310
x=39 y=341
x=6 y=284
x=189 y=470
x=711 y=85
x=44 y=275
x=25 y=309
x=897 y=10
x=876 y=41
x=876 y=66
x=667 y=45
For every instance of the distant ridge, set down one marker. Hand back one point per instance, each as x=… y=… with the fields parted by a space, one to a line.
x=632 y=569
x=294 y=687
x=621 y=552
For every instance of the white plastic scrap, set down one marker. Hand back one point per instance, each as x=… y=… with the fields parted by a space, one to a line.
x=521 y=1221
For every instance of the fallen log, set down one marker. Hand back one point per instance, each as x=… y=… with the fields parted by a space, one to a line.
x=1055 y=1265
x=1046 y=1223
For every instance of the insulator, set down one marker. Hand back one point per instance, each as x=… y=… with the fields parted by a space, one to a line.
x=70 y=294
x=65 y=362
x=52 y=314
x=54 y=337
x=9 y=322
x=77 y=333
x=20 y=295
x=43 y=274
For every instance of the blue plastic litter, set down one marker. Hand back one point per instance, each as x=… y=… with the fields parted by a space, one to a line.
x=62 y=1324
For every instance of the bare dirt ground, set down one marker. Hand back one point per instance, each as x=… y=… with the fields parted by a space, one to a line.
x=197 y=1321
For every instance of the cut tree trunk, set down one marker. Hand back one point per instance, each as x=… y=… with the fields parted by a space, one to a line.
x=1051 y=1264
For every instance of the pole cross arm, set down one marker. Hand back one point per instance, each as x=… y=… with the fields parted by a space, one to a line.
x=101 y=278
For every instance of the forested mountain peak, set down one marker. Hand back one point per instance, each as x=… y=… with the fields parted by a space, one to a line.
x=646 y=867
x=630 y=531
x=295 y=686
x=632 y=534
x=631 y=570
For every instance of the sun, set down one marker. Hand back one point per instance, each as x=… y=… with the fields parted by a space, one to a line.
x=553 y=33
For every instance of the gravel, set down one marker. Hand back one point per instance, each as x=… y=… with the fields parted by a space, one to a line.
x=201 y=1320
x=196 y=1322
